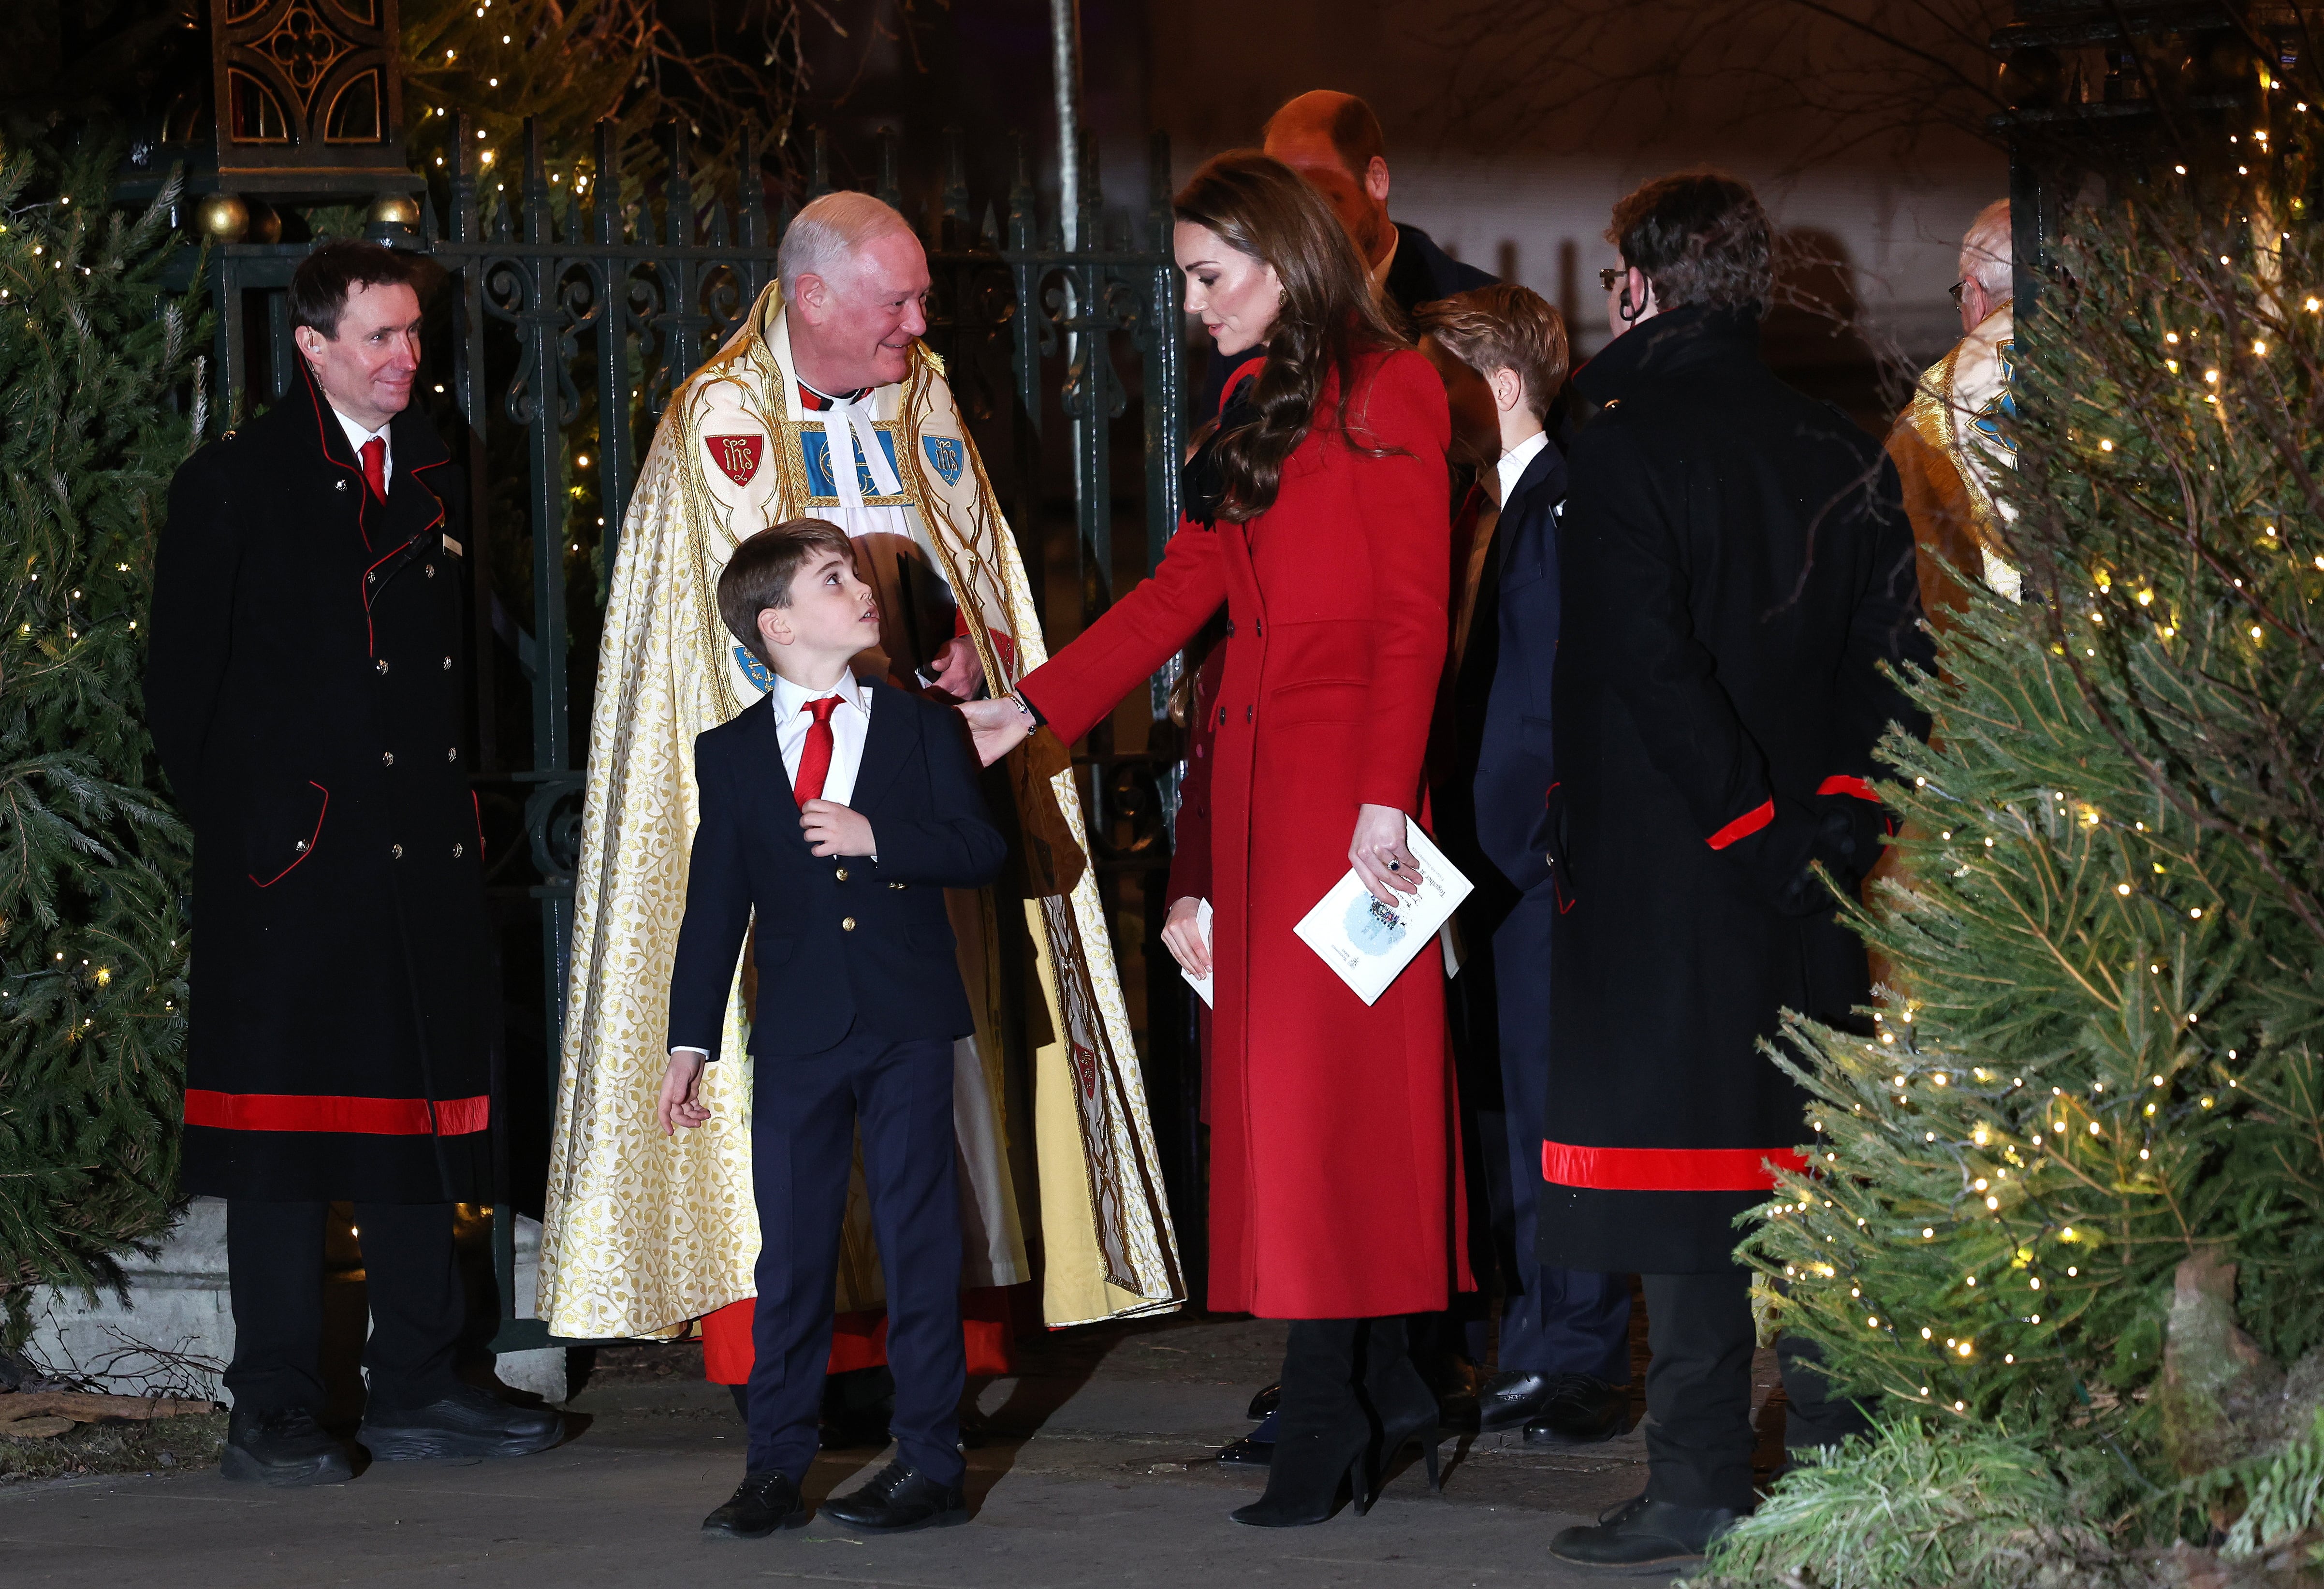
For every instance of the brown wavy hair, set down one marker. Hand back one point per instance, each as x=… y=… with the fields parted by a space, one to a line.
x=1328 y=320
x=1700 y=236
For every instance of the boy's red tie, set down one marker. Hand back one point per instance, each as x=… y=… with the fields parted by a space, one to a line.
x=375 y=463
x=815 y=755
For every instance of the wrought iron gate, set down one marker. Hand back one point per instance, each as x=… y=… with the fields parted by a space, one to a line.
x=567 y=319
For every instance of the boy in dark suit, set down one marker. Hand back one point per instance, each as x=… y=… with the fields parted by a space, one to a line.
x=839 y=811
x=1565 y=1332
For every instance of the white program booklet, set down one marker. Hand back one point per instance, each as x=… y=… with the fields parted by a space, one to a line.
x=1202 y=984
x=1369 y=944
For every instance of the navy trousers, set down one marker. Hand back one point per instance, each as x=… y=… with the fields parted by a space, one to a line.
x=805 y=1114
x=1554 y=1321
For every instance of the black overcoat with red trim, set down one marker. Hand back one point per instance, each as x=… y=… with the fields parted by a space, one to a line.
x=305 y=690
x=1737 y=566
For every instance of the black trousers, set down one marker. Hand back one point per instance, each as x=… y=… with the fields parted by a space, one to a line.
x=1699 y=1391
x=807 y=1115
x=274 y=1267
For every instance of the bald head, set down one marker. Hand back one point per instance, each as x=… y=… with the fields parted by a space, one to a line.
x=855 y=281
x=1335 y=141
x=1988 y=255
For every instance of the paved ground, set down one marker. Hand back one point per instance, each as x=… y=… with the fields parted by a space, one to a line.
x=1092 y=1470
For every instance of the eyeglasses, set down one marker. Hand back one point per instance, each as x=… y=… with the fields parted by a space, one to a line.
x=1611 y=277
x=1955 y=290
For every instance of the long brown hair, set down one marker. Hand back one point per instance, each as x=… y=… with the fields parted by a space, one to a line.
x=1260 y=207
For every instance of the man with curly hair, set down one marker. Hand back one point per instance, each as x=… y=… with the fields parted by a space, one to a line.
x=1737 y=567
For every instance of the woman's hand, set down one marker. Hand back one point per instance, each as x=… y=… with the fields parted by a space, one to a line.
x=1378 y=855
x=997 y=727
x=1182 y=936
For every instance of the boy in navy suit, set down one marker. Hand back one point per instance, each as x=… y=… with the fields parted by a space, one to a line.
x=838 y=810
x=1564 y=1333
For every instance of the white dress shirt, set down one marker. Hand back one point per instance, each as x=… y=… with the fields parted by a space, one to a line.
x=1513 y=462
x=357 y=436
x=849 y=726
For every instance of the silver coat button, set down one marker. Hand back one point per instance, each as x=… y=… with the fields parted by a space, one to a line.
x=387 y=759
x=381 y=664
x=301 y=846
x=342 y=484
x=396 y=850
x=429 y=569
x=452 y=752
x=448 y=664
x=847 y=924
x=458 y=851
x=371 y=579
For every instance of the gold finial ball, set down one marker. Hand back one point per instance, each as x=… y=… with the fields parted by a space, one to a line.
x=393 y=209
x=265 y=222
x=222 y=217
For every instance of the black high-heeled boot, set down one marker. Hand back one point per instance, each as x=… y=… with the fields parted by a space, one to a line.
x=1326 y=1436
x=1402 y=1408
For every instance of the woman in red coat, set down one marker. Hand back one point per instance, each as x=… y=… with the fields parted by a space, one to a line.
x=1317 y=514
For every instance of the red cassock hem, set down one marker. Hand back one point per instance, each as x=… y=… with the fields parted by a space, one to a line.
x=1743 y=826
x=858 y=1340
x=371 y=1117
x=1666 y=1169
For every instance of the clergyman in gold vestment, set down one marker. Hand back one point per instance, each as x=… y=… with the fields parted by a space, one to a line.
x=644 y=1231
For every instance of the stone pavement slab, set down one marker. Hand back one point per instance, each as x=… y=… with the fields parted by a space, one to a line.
x=1092 y=1468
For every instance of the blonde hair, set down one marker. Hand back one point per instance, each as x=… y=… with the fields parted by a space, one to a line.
x=826 y=235
x=1987 y=251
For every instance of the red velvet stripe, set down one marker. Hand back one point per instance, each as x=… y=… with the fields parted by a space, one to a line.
x=1843 y=783
x=371 y=1117
x=1664 y=1170
x=1743 y=826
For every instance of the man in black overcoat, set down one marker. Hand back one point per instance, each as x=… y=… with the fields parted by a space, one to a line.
x=1738 y=569
x=305 y=693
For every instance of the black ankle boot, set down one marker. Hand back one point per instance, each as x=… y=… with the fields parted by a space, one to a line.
x=1325 y=1435
x=1402 y=1408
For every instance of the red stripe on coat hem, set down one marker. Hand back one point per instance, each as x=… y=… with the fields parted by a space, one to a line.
x=1666 y=1169
x=371 y=1117
x=1844 y=783
x=1743 y=826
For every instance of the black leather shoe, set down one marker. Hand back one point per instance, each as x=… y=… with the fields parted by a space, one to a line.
x=283 y=1449
x=1644 y=1533
x=1266 y=1401
x=1580 y=1409
x=760 y=1504
x=900 y=1499
x=467 y=1422
x=1512 y=1399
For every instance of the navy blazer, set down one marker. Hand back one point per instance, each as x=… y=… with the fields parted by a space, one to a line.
x=1515 y=767
x=840 y=936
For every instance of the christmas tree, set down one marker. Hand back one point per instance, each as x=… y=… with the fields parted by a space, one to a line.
x=2060 y=1226
x=98 y=404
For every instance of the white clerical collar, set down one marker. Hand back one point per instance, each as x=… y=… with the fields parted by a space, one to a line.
x=790 y=698
x=1513 y=462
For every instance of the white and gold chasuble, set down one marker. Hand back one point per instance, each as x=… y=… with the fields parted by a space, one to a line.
x=1963 y=406
x=642 y=1232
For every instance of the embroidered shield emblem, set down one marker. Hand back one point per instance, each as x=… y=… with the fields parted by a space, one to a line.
x=736 y=456
x=754 y=669
x=943 y=456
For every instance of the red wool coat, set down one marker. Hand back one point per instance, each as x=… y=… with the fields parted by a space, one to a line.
x=1335 y=1185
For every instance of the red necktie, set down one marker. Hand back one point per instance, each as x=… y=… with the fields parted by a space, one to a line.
x=815 y=755
x=374 y=462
